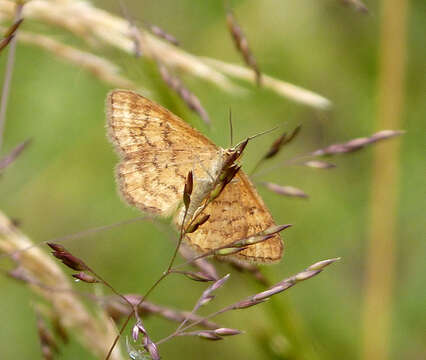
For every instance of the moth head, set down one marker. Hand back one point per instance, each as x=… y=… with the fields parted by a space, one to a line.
x=235 y=152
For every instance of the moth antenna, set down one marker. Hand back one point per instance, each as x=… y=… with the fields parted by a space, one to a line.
x=262 y=133
x=257 y=135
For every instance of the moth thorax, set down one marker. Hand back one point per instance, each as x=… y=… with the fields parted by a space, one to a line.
x=202 y=188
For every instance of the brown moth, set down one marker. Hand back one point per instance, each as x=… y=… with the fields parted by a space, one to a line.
x=157 y=151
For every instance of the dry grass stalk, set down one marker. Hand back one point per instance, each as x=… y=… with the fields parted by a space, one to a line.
x=11 y=32
x=241 y=43
x=331 y=150
x=161 y=33
x=96 y=25
x=356 y=144
x=186 y=252
x=381 y=282
x=252 y=300
x=205 y=298
x=133 y=30
x=49 y=347
x=118 y=308
x=100 y=67
x=190 y=99
x=11 y=157
x=237 y=245
x=94 y=332
x=290 y=91
x=285 y=284
x=89 y=22
x=205 y=267
x=5 y=42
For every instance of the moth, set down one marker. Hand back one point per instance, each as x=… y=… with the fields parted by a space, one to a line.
x=157 y=150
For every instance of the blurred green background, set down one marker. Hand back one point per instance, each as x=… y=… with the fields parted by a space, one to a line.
x=64 y=182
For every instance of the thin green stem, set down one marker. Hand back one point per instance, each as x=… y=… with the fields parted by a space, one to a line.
x=161 y=278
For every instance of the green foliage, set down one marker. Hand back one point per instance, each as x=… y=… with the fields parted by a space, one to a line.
x=64 y=181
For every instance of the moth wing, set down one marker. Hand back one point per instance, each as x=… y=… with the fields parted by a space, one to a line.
x=157 y=151
x=238 y=213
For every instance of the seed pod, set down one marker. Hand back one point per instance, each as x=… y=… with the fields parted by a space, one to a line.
x=242 y=45
x=197 y=223
x=67 y=258
x=285 y=190
x=209 y=335
x=161 y=33
x=187 y=191
x=85 y=277
x=230 y=251
x=227 y=332
x=198 y=276
x=317 y=164
x=281 y=141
